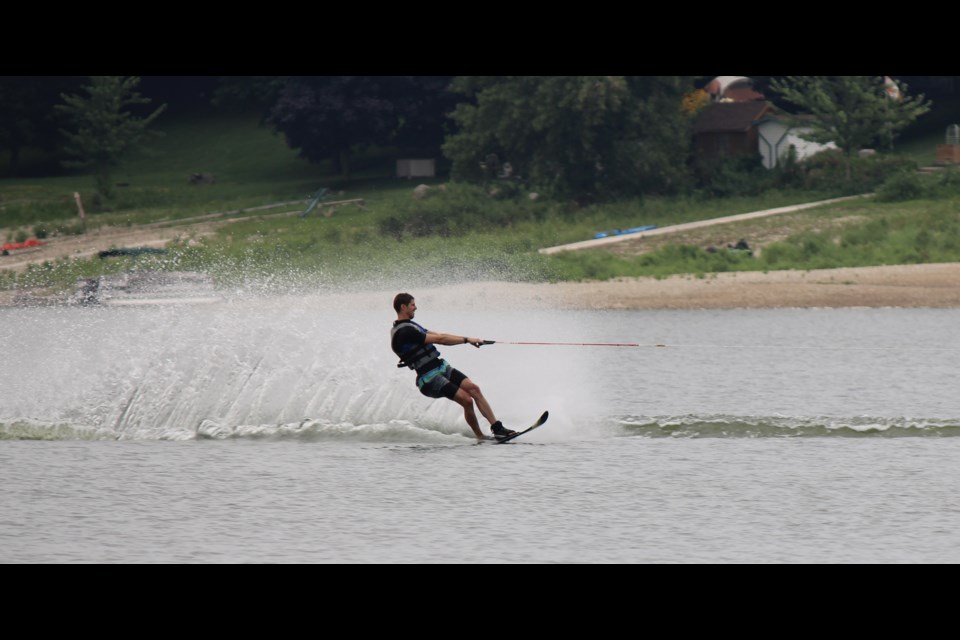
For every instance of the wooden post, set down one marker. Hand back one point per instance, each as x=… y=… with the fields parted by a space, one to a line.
x=83 y=216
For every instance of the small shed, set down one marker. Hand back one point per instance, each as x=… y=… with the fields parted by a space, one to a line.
x=725 y=129
x=949 y=152
x=777 y=136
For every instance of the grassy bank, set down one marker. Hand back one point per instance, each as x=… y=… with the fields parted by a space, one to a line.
x=455 y=233
x=251 y=166
x=868 y=234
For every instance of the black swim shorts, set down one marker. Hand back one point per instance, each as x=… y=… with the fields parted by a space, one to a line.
x=442 y=382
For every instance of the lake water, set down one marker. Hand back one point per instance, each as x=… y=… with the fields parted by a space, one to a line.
x=279 y=430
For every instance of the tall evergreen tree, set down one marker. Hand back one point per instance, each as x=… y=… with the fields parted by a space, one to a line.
x=854 y=112
x=104 y=130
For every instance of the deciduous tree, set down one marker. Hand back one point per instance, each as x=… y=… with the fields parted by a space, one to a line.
x=329 y=117
x=854 y=112
x=586 y=136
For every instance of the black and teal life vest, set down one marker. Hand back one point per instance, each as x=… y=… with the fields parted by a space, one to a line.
x=419 y=357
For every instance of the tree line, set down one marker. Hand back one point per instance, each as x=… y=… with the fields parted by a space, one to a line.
x=589 y=137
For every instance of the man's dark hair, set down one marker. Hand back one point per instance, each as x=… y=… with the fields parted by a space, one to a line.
x=400 y=300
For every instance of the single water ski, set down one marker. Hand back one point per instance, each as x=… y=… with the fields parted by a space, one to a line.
x=538 y=423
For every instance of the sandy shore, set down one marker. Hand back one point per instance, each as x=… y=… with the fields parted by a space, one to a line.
x=927 y=285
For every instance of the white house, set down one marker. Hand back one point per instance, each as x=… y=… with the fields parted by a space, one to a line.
x=776 y=137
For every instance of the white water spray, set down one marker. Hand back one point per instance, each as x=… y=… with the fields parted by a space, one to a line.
x=309 y=366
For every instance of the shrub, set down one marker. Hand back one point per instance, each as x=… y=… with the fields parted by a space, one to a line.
x=737 y=176
x=948 y=186
x=826 y=171
x=871 y=234
x=459 y=209
x=788 y=172
x=902 y=186
x=71 y=228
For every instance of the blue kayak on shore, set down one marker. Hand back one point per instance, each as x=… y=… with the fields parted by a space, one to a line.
x=620 y=232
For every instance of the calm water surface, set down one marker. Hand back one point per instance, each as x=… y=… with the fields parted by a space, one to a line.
x=244 y=433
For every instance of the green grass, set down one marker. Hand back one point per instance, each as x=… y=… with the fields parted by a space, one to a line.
x=461 y=234
x=252 y=167
x=913 y=232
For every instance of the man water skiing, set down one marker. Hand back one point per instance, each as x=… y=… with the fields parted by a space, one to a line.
x=435 y=377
